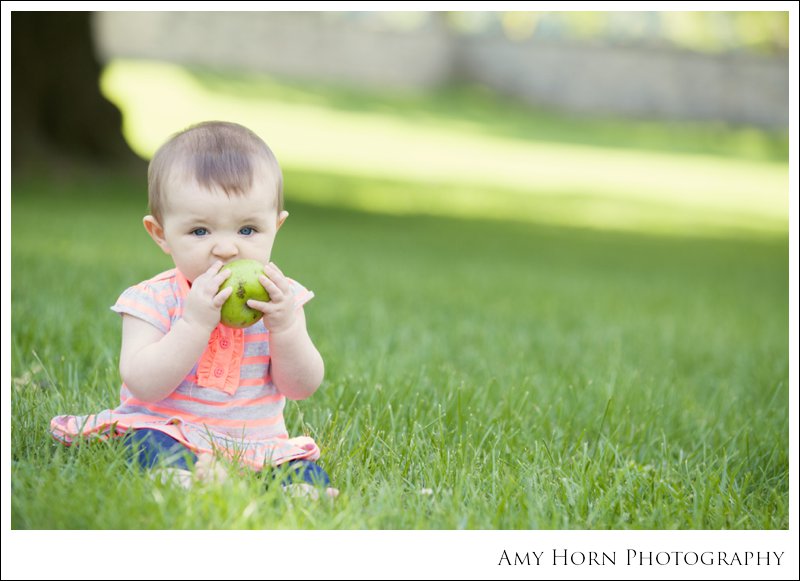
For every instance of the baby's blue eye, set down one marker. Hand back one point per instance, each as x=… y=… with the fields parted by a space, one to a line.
x=247 y=231
x=199 y=232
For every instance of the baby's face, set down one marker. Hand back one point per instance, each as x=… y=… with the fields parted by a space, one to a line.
x=202 y=226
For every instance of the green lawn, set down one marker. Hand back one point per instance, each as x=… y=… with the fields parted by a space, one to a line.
x=527 y=376
x=537 y=322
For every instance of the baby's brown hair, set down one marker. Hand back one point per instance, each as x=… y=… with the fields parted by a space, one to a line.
x=213 y=153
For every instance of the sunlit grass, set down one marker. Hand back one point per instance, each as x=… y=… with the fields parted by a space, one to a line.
x=524 y=377
x=452 y=162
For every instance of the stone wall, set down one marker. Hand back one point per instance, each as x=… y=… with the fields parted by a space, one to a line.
x=588 y=79
x=640 y=83
x=306 y=45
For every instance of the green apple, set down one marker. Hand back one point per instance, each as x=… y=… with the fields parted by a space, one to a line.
x=244 y=280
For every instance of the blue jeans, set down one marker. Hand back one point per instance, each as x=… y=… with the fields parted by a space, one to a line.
x=151 y=447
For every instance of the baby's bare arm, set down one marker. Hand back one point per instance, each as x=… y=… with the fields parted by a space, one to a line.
x=297 y=366
x=152 y=363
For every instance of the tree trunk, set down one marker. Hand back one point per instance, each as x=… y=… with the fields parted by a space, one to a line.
x=57 y=110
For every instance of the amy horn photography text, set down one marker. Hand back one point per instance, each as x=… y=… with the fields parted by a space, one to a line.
x=633 y=557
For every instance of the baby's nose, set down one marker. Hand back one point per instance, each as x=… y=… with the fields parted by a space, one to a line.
x=225 y=250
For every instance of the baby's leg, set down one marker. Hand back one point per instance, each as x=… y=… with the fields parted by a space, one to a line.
x=168 y=459
x=207 y=469
x=306 y=478
x=151 y=448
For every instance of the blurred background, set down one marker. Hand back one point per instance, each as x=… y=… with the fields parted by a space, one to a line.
x=549 y=250
x=667 y=121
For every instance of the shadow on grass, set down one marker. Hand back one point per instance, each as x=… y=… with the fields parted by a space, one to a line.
x=85 y=191
x=93 y=221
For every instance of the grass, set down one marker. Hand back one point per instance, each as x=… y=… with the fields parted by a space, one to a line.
x=527 y=376
x=491 y=362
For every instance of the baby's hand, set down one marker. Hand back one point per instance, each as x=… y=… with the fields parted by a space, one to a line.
x=203 y=303
x=279 y=312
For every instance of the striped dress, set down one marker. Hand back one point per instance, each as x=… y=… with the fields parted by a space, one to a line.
x=226 y=403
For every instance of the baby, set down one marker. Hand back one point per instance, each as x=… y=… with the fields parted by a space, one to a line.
x=192 y=386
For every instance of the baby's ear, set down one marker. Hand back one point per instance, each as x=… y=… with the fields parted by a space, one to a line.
x=282 y=218
x=156 y=232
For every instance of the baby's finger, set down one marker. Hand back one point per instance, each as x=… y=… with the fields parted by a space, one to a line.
x=214 y=268
x=222 y=276
x=278 y=277
x=207 y=278
x=275 y=266
x=260 y=306
x=274 y=292
x=222 y=296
